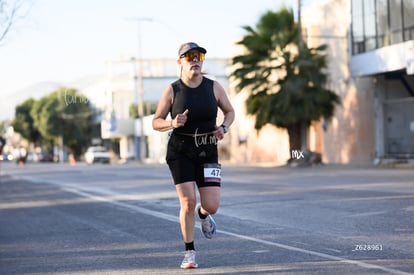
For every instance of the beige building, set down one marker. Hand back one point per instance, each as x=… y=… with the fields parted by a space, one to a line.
x=350 y=136
x=371 y=66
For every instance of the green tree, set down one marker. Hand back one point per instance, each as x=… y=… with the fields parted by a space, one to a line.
x=23 y=121
x=133 y=110
x=149 y=109
x=64 y=114
x=287 y=87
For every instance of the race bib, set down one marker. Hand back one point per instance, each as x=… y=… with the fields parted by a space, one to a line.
x=212 y=172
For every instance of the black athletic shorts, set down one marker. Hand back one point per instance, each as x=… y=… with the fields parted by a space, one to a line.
x=186 y=156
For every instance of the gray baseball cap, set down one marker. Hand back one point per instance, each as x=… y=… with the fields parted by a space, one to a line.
x=186 y=47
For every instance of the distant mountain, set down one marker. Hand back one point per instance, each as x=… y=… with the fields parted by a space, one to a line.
x=9 y=101
x=86 y=81
x=37 y=90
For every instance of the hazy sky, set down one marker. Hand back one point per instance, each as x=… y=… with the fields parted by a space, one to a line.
x=62 y=40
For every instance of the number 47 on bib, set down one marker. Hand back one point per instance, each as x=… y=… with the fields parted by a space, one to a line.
x=212 y=172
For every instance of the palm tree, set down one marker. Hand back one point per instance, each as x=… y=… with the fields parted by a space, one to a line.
x=286 y=86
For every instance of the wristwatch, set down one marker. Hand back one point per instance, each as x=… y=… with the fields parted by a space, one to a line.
x=225 y=128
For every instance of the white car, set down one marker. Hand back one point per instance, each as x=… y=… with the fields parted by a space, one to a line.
x=97 y=154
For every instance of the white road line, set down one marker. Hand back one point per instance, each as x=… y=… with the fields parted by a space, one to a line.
x=367 y=214
x=172 y=218
x=79 y=191
x=334 y=250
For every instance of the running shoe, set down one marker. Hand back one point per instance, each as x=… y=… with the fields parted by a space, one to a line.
x=208 y=225
x=189 y=260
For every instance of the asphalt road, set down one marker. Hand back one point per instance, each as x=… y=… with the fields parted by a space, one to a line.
x=123 y=219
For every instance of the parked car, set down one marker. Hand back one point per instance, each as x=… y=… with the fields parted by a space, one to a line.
x=97 y=154
x=6 y=157
x=38 y=157
x=32 y=157
x=45 y=157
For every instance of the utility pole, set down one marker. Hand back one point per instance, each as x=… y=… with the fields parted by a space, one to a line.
x=303 y=124
x=300 y=41
x=139 y=88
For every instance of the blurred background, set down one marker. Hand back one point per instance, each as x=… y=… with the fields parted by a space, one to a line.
x=312 y=81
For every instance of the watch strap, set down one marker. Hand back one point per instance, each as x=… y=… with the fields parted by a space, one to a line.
x=225 y=128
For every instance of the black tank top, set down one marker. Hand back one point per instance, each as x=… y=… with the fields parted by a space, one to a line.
x=201 y=104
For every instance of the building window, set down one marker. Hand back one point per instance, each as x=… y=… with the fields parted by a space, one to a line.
x=370 y=25
x=380 y=23
x=358 y=27
x=396 y=21
x=408 y=12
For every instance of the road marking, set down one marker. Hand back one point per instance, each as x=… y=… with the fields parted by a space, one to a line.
x=81 y=192
x=334 y=250
x=172 y=218
x=314 y=253
x=367 y=214
x=409 y=208
x=260 y=251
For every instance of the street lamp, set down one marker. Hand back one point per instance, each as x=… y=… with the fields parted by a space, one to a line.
x=303 y=126
x=139 y=87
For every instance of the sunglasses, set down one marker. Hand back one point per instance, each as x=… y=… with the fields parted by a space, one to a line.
x=191 y=55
